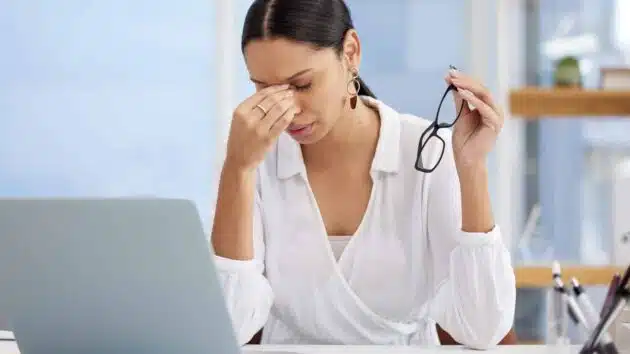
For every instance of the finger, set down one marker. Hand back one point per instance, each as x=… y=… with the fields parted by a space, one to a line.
x=271 y=101
x=456 y=75
x=262 y=110
x=255 y=99
x=283 y=122
x=490 y=118
x=457 y=99
x=276 y=112
x=466 y=82
x=462 y=107
x=481 y=92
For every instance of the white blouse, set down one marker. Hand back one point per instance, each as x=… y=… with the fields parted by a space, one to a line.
x=338 y=244
x=408 y=267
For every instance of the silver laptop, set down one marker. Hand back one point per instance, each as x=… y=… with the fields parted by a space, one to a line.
x=109 y=276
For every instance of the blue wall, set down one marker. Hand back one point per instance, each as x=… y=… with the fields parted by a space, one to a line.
x=106 y=98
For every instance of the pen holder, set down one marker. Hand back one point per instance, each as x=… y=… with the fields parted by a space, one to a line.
x=557 y=320
x=620 y=332
x=595 y=345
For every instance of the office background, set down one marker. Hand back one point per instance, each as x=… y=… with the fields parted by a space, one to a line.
x=114 y=98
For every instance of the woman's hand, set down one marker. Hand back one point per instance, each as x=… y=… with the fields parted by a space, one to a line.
x=256 y=124
x=476 y=130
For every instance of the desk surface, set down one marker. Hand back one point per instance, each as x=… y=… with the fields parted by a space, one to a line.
x=513 y=349
x=11 y=348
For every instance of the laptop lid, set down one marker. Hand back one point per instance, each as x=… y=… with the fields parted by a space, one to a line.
x=118 y=275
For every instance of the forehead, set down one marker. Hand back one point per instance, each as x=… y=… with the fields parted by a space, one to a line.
x=274 y=60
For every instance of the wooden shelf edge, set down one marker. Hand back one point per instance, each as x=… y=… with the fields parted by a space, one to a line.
x=536 y=103
x=540 y=276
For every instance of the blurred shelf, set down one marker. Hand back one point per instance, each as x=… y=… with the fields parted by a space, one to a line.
x=540 y=276
x=536 y=103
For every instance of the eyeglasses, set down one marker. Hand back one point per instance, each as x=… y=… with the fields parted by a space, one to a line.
x=621 y=298
x=431 y=145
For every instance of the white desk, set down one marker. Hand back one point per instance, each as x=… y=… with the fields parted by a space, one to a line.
x=512 y=349
x=8 y=348
x=11 y=348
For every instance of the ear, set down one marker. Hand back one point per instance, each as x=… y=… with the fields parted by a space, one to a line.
x=352 y=49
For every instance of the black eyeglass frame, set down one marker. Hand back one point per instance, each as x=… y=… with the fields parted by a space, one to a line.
x=432 y=130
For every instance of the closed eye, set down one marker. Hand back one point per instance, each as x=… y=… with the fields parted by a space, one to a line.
x=302 y=87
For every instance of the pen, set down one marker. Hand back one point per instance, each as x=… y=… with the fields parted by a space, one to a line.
x=591 y=315
x=574 y=310
x=559 y=324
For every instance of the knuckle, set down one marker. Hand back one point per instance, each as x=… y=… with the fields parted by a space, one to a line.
x=250 y=124
x=260 y=133
x=238 y=112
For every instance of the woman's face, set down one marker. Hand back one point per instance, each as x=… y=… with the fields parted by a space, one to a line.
x=319 y=79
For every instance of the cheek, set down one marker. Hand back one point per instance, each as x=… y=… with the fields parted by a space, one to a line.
x=322 y=103
x=312 y=105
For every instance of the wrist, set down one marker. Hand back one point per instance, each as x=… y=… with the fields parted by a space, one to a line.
x=472 y=170
x=237 y=170
x=238 y=175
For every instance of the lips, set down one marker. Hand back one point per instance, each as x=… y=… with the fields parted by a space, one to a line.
x=300 y=131
x=297 y=127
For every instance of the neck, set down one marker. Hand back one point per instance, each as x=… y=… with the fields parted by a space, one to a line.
x=355 y=134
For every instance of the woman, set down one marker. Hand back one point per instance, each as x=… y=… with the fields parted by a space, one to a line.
x=324 y=232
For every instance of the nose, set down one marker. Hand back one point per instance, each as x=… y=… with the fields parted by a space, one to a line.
x=298 y=103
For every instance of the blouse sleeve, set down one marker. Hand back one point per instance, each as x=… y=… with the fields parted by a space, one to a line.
x=473 y=279
x=246 y=290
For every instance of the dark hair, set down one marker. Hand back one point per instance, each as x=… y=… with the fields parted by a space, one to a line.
x=321 y=23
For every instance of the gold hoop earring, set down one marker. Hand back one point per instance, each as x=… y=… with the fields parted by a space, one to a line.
x=354 y=84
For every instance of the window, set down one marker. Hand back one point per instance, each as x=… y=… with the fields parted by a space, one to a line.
x=579 y=154
x=570 y=161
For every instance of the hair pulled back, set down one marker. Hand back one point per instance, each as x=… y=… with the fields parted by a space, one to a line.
x=321 y=23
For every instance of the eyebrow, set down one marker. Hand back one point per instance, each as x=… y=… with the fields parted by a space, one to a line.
x=287 y=79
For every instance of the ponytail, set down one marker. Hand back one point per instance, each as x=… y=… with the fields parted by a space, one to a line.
x=365 y=90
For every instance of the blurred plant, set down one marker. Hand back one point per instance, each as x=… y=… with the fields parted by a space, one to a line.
x=567 y=72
